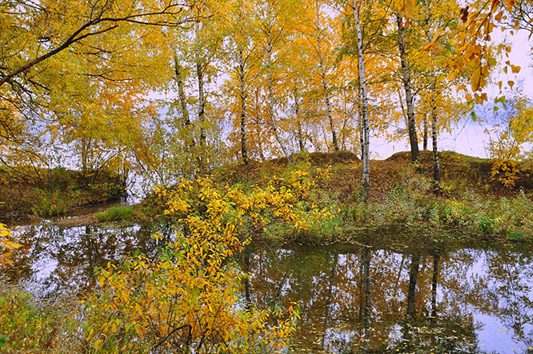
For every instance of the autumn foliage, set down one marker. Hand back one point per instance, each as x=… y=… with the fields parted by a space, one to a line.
x=6 y=245
x=186 y=296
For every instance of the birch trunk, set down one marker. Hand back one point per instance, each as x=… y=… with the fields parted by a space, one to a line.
x=298 y=122
x=426 y=138
x=181 y=92
x=201 y=99
x=270 y=84
x=436 y=164
x=330 y=114
x=244 y=151
x=201 y=103
x=409 y=98
x=323 y=77
x=364 y=104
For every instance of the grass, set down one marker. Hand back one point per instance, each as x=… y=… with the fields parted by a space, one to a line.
x=116 y=213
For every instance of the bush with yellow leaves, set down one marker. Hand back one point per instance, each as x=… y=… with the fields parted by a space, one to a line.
x=505 y=155
x=6 y=245
x=186 y=298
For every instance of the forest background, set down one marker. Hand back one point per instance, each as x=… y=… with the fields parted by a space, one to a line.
x=247 y=80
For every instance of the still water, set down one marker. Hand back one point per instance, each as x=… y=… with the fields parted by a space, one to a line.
x=353 y=299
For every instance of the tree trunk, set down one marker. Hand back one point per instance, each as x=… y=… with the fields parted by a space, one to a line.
x=436 y=164
x=426 y=138
x=409 y=98
x=201 y=100
x=271 y=97
x=242 y=78
x=330 y=113
x=364 y=106
x=360 y=123
x=298 y=122
x=181 y=92
x=201 y=103
x=189 y=139
x=323 y=77
x=85 y=156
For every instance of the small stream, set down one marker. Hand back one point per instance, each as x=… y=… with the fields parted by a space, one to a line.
x=353 y=299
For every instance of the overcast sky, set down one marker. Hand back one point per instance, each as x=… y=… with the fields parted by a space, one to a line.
x=521 y=49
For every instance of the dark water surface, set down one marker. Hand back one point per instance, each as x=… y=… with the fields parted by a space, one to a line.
x=362 y=299
x=353 y=299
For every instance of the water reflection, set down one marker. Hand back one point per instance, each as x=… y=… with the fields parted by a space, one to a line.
x=356 y=299
x=368 y=300
x=57 y=260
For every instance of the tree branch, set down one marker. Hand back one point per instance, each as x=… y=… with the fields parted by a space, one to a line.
x=78 y=36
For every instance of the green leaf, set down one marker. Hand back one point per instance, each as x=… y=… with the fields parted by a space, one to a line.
x=3 y=340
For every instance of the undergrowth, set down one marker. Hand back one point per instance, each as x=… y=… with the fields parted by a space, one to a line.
x=31 y=325
x=410 y=202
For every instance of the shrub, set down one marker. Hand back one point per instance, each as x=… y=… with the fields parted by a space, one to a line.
x=186 y=299
x=49 y=203
x=6 y=245
x=27 y=326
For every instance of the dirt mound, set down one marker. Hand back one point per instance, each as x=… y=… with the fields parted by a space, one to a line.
x=317 y=158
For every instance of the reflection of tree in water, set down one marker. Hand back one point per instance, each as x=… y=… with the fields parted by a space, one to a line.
x=307 y=278
x=60 y=260
x=504 y=289
x=363 y=300
x=496 y=283
x=353 y=300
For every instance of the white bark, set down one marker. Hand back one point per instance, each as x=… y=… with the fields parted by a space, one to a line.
x=364 y=104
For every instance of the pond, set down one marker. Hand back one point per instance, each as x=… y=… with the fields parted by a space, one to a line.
x=360 y=298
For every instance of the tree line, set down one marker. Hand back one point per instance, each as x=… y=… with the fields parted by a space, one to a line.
x=172 y=88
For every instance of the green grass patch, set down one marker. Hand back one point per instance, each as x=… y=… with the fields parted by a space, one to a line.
x=117 y=213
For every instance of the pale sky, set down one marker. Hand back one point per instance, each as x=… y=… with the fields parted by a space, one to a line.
x=521 y=50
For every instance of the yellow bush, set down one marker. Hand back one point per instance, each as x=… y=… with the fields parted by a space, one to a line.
x=6 y=245
x=186 y=299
